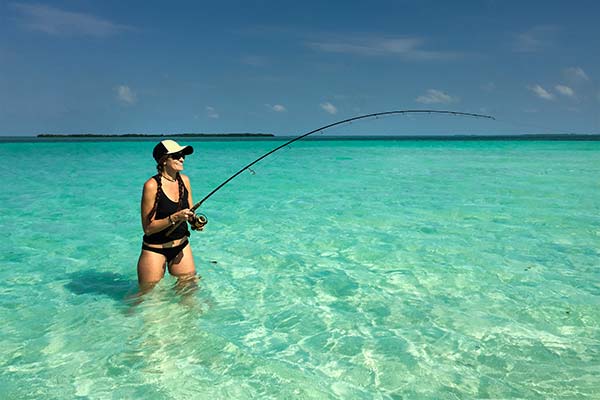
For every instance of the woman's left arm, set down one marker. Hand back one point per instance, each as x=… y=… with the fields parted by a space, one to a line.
x=188 y=186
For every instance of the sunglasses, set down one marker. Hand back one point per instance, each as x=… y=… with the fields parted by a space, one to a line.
x=177 y=156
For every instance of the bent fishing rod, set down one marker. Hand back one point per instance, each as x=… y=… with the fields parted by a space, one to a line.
x=203 y=219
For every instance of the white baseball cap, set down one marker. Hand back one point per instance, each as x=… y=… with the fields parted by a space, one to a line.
x=170 y=147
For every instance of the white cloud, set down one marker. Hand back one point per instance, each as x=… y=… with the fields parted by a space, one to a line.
x=212 y=112
x=254 y=61
x=406 y=47
x=565 y=90
x=276 y=108
x=328 y=107
x=541 y=92
x=576 y=74
x=434 y=96
x=489 y=86
x=535 y=39
x=125 y=95
x=54 y=21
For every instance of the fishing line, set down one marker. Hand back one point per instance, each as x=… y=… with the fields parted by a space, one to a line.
x=202 y=218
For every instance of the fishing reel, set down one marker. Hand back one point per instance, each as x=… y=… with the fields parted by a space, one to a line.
x=198 y=222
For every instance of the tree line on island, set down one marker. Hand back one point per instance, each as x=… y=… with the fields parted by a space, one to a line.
x=92 y=135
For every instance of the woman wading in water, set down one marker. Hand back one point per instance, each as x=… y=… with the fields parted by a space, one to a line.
x=166 y=200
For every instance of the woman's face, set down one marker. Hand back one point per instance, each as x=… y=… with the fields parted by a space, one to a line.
x=175 y=161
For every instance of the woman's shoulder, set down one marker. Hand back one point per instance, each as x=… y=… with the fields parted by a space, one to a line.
x=185 y=179
x=151 y=184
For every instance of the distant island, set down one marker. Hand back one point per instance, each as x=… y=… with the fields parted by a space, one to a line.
x=270 y=136
x=150 y=135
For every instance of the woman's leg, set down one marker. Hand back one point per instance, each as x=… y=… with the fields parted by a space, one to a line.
x=150 y=269
x=183 y=267
x=183 y=264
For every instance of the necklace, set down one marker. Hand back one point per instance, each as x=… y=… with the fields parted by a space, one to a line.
x=168 y=178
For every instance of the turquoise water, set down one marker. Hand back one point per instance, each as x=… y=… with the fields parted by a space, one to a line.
x=340 y=269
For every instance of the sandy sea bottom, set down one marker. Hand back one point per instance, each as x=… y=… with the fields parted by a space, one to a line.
x=363 y=270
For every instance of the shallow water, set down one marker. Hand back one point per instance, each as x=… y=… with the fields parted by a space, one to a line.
x=342 y=269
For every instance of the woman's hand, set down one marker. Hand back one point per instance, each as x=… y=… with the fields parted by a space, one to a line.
x=182 y=215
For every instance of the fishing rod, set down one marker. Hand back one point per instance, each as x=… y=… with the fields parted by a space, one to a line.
x=202 y=218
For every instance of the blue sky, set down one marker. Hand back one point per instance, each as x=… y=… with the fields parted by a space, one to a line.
x=284 y=67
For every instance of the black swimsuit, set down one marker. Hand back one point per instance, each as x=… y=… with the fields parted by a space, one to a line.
x=165 y=208
x=169 y=252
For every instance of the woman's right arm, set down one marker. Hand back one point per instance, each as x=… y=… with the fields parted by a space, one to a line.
x=156 y=225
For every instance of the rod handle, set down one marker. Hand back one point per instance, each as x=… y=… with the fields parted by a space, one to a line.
x=172 y=229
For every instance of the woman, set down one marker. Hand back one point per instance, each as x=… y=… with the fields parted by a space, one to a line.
x=166 y=201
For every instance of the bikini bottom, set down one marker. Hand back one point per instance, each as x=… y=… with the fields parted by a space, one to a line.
x=169 y=252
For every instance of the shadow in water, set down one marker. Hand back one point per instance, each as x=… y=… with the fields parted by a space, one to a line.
x=116 y=286
x=126 y=291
